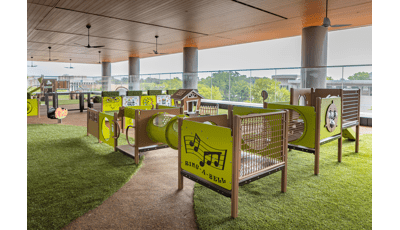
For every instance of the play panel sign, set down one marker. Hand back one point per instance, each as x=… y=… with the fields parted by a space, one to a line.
x=206 y=151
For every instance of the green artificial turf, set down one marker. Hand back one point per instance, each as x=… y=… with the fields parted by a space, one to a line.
x=63 y=102
x=70 y=173
x=340 y=197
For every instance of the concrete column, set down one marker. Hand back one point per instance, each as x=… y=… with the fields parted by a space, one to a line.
x=134 y=73
x=106 y=76
x=190 y=67
x=314 y=52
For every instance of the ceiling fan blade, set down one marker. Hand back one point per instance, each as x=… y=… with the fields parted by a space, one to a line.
x=96 y=46
x=54 y=60
x=162 y=53
x=343 y=25
x=78 y=44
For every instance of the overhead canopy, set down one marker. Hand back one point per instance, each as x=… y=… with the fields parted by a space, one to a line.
x=128 y=28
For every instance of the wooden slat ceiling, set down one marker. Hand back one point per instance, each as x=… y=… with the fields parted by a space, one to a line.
x=127 y=28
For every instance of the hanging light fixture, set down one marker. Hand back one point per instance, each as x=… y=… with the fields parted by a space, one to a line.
x=32 y=65
x=70 y=67
x=99 y=56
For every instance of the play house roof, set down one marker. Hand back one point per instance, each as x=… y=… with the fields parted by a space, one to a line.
x=183 y=93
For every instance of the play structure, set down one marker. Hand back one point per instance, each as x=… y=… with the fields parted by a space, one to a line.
x=189 y=100
x=111 y=100
x=319 y=116
x=220 y=152
x=224 y=152
x=33 y=107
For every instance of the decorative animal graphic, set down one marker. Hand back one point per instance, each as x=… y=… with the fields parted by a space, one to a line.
x=331 y=117
x=61 y=113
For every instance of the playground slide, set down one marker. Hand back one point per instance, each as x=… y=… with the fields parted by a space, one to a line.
x=349 y=134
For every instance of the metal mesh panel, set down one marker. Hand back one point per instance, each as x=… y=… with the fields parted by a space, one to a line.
x=262 y=142
x=296 y=126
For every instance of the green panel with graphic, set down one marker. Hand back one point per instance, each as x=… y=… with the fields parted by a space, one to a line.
x=307 y=116
x=333 y=117
x=129 y=111
x=206 y=151
x=148 y=100
x=111 y=103
x=106 y=131
x=128 y=122
x=32 y=105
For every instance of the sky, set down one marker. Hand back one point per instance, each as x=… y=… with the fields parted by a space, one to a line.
x=345 y=47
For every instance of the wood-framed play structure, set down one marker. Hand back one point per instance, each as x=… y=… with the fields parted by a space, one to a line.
x=319 y=116
x=220 y=152
x=224 y=152
x=111 y=100
x=189 y=100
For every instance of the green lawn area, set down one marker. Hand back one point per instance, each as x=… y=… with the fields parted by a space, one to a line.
x=70 y=173
x=64 y=102
x=339 y=198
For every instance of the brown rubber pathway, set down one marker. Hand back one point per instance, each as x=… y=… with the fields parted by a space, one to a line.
x=150 y=200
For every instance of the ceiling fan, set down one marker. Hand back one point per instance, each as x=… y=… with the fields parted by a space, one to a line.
x=70 y=67
x=88 y=26
x=32 y=65
x=327 y=22
x=99 y=56
x=155 y=51
x=50 y=55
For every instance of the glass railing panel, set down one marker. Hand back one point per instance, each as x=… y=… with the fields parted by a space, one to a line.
x=360 y=77
x=263 y=81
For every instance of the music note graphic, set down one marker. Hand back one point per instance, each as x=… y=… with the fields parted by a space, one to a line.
x=196 y=140
x=216 y=163
x=202 y=150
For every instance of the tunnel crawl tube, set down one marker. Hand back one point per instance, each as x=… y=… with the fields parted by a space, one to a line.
x=163 y=127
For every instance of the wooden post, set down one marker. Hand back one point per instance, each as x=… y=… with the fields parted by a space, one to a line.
x=101 y=109
x=137 y=118
x=54 y=100
x=317 y=134
x=181 y=110
x=156 y=105
x=46 y=100
x=291 y=96
x=81 y=101
x=38 y=101
x=285 y=152
x=87 y=122
x=230 y=116
x=88 y=100
x=340 y=140
x=237 y=133
x=180 y=177
x=358 y=118
x=115 y=120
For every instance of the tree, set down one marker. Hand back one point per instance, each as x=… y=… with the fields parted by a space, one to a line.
x=222 y=81
x=329 y=78
x=240 y=91
x=359 y=76
x=205 y=91
x=172 y=84
x=273 y=89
